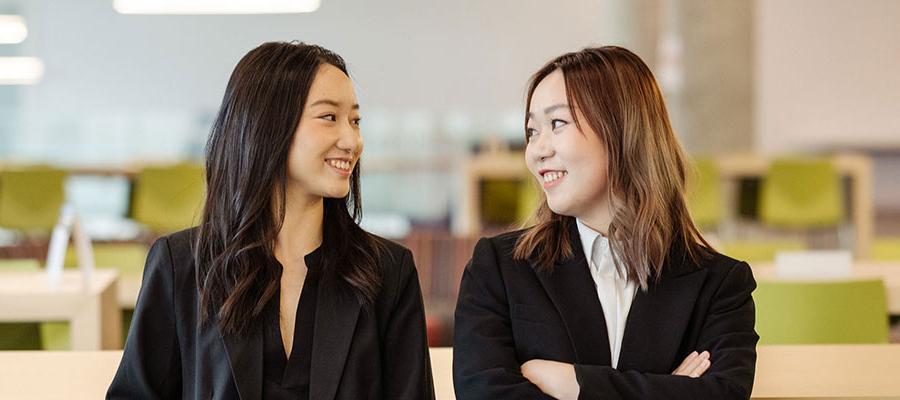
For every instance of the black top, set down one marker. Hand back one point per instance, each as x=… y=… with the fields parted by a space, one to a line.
x=509 y=313
x=287 y=378
x=377 y=352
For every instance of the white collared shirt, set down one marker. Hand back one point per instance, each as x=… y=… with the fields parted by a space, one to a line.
x=613 y=288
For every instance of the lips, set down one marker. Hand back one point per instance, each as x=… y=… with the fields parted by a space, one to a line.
x=550 y=177
x=342 y=166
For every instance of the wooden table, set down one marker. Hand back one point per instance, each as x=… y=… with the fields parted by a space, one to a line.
x=92 y=310
x=782 y=372
x=510 y=165
x=889 y=272
x=857 y=168
x=828 y=372
x=73 y=375
x=128 y=290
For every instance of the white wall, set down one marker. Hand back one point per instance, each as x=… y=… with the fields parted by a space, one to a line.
x=827 y=74
x=112 y=79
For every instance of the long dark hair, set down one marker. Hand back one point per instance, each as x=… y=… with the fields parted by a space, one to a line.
x=623 y=105
x=246 y=169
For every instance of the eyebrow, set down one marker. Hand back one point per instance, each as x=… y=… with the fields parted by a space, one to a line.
x=549 y=110
x=333 y=103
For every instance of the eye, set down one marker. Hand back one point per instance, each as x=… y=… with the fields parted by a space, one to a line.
x=557 y=123
x=328 y=117
x=529 y=132
x=356 y=121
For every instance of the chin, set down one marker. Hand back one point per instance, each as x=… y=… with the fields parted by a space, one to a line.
x=336 y=193
x=559 y=207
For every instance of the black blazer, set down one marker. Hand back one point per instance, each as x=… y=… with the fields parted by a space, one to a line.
x=379 y=352
x=507 y=314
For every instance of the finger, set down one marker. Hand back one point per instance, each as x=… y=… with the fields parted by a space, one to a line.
x=695 y=362
x=685 y=363
x=700 y=369
x=701 y=366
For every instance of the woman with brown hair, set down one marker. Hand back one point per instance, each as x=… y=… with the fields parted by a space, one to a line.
x=613 y=293
x=279 y=294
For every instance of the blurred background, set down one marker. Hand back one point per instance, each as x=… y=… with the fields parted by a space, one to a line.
x=790 y=110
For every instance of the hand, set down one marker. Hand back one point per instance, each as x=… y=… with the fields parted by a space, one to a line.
x=554 y=378
x=694 y=365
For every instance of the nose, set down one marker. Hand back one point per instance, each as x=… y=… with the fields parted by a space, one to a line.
x=542 y=147
x=350 y=140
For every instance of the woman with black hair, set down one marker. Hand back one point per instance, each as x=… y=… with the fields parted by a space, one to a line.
x=278 y=293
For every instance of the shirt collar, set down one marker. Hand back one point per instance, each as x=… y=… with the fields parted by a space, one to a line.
x=588 y=237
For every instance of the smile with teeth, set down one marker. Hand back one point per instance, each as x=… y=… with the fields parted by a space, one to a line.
x=551 y=176
x=339 y=164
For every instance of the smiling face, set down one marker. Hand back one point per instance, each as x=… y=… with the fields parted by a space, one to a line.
x=570 y=163
x=327 y=143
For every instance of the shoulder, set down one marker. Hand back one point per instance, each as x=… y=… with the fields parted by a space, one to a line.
x=501 y=247
x=181 y=242
x=724 y=271
x=390 y=253
x=174 y=250
x=395 y=260
x=493 y=258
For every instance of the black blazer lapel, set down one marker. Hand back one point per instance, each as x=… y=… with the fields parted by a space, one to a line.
x=245 y=356
x=574 y=294
x=336 y=316
x=658 y=317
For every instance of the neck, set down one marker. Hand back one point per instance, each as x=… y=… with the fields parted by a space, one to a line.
x=598 y=219
x=301 y=231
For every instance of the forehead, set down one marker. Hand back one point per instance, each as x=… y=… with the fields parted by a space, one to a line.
x=331 y=83
x=550 y=90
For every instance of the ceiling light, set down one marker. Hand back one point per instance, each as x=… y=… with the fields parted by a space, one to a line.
x=215 y=6
x=12 y=29
x=20 y=70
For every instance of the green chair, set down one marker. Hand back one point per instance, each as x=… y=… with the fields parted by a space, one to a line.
x=168 y=199
x=125 y=257
x=802 y=193
x=30 y=198
x=832 y=312
x=756 y=251
x=704 y=194
x=20 y=335
x=886 y=249
x=19 y=264
x=500 y=201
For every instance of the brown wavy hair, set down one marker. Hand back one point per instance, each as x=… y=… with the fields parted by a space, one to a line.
x=622 y=103
x=246 y=175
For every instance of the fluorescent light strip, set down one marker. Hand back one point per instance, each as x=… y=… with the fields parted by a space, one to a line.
x=215 y=6
x=20 y=70
x=12 y=29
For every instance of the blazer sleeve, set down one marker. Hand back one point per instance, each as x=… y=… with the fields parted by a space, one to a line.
x=485 y=365
x=151 y=364
x=407 y=365
x=729 y=336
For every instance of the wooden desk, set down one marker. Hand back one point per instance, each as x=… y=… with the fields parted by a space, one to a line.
x=498 y=165
x=856 y=167
x=507 y=165
x=442 y=371
x=828 y=372
x=92 y=310
x=782 y=372
x=74 y=375
x=128 y=290
x=889 y=272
